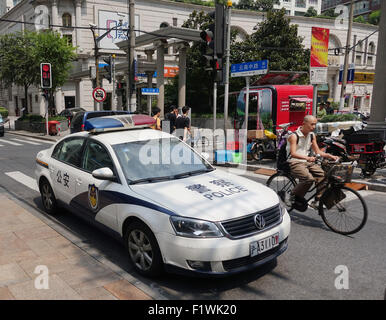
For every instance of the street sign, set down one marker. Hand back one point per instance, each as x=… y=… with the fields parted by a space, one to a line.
x=150 y=91
x=318 y=75
x=247 y=69
x=99 y=94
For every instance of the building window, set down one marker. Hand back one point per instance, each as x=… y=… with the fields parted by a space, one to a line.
x=68 y=38
x=66 y=20
x=175 y=21
x=299 y=13
x=313 y=2
x=358 y=60
x=300 y=3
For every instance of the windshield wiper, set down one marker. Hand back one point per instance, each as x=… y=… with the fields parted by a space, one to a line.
x=149 y=180
x=191 y=173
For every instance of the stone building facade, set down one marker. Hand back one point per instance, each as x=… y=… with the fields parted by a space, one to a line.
x=66 y=15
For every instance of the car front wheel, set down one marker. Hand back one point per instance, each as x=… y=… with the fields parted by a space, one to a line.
x=143 y=250
x=48 y=197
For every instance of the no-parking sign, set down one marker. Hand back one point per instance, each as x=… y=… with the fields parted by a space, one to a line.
x=99 y=94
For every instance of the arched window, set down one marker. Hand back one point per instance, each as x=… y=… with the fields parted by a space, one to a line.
x=66 y=20
x=164 y=25
x=371 y=54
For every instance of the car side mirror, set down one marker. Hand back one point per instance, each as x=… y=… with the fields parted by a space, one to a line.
x=104 y=174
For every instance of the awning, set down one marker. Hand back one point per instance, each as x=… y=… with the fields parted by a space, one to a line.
x=306 y=100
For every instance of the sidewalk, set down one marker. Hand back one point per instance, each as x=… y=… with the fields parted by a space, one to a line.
x=27 y=243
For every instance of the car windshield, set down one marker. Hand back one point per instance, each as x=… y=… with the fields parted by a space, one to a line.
x=158 y=159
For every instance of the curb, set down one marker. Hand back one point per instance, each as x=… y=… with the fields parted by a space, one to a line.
x=33 y=136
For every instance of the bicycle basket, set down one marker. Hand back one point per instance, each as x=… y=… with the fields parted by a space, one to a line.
x=341 y=173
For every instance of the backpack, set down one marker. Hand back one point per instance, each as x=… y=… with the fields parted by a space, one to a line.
x=282 y=163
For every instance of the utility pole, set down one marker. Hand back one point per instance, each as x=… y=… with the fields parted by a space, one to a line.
x=227 y=65
x=346 y=57
x=131 y=94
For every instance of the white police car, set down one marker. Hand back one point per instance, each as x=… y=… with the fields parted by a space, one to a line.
x=168 y=204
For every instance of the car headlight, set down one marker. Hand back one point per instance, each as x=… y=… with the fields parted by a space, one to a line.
x=193 y=228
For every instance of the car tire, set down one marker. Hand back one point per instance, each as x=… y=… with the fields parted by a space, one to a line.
x=143 y=249
x=48 y=197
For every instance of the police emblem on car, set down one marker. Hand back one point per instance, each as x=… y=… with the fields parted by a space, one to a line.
x=93 y=197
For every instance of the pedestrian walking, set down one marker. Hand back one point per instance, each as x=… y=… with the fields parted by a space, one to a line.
x=156 y=112
x=183 y=123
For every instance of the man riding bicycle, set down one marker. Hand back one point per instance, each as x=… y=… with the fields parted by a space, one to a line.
x=302 y=165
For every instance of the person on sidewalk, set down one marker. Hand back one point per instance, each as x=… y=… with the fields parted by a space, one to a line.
x=172 y=117
x=302 y=165
x=156 y=112
x=183 y=123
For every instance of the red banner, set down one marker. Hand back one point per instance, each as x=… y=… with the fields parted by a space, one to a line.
x=319 y=47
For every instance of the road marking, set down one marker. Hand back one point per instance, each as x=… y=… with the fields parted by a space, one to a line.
x=25 y=141
x=1 y=145
x=23 y=179
x=41 y=141
x=12 y=143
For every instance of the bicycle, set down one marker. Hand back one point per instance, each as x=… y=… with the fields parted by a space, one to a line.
x=342 y=208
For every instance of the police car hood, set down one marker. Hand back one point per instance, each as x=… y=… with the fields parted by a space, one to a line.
x=213 y=196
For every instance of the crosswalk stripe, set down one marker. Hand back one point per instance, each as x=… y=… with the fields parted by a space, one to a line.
x=1 y=145
x=23 y=179
x=12 y=143
x=26 y=141
x=40 y=141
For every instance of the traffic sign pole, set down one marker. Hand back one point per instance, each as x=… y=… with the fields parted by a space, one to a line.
x=246 y=120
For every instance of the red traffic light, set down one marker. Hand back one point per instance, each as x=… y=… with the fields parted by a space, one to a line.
x=45 y=76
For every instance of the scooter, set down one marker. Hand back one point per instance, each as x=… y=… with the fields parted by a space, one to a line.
x=367 y=148
x=268 y=147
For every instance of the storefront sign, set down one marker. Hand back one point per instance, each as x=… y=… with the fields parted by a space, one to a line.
x=364 y=77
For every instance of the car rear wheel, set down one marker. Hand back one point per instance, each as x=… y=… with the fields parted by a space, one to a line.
x=143 y=249
x=48 y=197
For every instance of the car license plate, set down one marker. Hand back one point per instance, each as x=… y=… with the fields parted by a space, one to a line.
x=263 y=245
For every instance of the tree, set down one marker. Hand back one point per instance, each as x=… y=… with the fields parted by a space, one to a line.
x=375 y=17
x=17 y=61
x=21 y=54
x=311 y=12
x=277 y=41
x=257 y=5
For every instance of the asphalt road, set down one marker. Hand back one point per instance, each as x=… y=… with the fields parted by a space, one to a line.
x=316 y=259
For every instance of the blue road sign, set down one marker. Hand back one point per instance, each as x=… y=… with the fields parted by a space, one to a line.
x=150 y=91
x=246 y=69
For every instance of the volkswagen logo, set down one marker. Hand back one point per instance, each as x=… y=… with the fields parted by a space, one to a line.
x=259 y=221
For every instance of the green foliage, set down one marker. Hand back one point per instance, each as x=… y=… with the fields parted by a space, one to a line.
x=360 y=19
x=311 y=12
x=3 y=112
x=339 y=117
x=375 y=17
x=39 y=118
x=275 y=40
x=256 y=5
x=22 y=53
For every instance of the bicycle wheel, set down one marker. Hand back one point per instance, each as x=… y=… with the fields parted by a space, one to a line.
x=348 y=215
x=282 y=183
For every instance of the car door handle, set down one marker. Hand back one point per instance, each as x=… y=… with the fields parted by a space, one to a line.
x=78 y=181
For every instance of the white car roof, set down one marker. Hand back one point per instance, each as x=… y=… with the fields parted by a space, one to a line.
x=117 y=137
